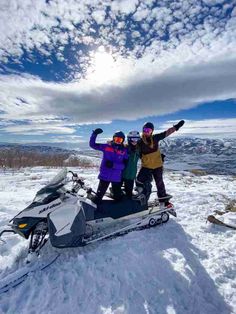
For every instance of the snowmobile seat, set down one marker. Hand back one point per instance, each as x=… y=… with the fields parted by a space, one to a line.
x=115 y=210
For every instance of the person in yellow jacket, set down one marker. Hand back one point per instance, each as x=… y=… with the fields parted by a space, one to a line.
x=151 y=159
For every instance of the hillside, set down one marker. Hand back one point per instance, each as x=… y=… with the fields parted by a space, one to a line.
x=185 y=266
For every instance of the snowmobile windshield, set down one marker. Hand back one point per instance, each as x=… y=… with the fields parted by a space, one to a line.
x=59 y=178
x=45 y=196
x=51 y=191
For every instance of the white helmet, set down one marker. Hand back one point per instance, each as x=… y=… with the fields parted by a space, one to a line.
x=133 y=136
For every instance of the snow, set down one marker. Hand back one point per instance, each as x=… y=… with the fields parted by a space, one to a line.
x=185 y=266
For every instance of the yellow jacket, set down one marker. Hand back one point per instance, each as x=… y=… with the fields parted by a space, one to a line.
x=152 y=160
x=150 y=151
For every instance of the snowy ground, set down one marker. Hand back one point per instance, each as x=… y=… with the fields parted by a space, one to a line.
x=184 y=266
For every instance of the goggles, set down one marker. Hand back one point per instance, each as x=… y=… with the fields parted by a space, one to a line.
x=134 y=139
x=118 y=140
x=147 y=130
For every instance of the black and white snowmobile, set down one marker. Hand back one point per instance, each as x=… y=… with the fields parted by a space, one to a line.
x=58 y=213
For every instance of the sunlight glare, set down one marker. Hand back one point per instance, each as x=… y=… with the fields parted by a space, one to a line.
x=103 y=69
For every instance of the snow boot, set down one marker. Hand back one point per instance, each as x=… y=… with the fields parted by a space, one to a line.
x=169 y=205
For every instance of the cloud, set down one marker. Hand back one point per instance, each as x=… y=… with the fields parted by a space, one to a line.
x=163 y=58
x=53 y=24
x=124 y=6
x=222 y=127
x=75 y=139
x=99 y=16
x=152 y=93
x=34 y=129
x=37 y=126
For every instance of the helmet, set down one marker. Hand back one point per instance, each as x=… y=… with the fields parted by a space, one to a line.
x=148 y=125
x=119 y=134
x=133 y=136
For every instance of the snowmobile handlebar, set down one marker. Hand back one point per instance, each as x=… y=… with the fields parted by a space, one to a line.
x=77 y=179
x=80 y=183
x=74 y=176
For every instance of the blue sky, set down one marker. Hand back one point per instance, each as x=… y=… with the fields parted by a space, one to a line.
x=69 y=67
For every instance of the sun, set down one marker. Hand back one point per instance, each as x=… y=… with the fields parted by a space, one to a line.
x=103 y=67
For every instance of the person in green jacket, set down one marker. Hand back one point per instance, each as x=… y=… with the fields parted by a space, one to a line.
x=130 y=171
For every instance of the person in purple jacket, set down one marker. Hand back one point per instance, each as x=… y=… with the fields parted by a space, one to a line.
x=115 y=156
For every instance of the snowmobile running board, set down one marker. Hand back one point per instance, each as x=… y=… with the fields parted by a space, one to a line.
x=144 y=222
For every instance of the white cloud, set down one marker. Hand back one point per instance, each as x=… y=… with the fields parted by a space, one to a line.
x=58 y=22
x=134 y=96
x=99 y=16
x=75 y=139
x=124 y=6
x=38 y=126
x=141 y=13
x=194 y=65
x=206 y=127
x=233 y=12
x=34 y=128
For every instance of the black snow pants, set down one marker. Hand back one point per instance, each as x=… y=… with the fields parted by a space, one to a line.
x=103 y=186
x=129 y=185
x=145 y=175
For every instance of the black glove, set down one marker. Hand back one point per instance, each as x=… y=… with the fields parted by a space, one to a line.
x=98 y=131
x=179 y=124
x=163 y=157
x=125 y=161
x=109 y=163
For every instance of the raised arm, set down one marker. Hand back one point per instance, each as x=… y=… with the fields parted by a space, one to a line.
x=92 y=142
x=176 y=127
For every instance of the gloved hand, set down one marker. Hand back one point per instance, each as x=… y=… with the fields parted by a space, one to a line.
x=179 y=125
x=109 y=163
x=163 y=157
x=98 y=131
x=125 y=161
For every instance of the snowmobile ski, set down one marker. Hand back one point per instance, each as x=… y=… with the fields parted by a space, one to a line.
x=16 y=278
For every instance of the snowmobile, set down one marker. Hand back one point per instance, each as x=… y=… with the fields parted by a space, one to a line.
x=67 y=219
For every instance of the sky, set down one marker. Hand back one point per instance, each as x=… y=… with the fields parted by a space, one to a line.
x=68 y=67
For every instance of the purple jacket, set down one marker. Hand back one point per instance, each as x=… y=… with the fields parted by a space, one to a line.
x=113 y=161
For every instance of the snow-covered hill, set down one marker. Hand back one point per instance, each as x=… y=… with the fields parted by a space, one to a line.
x=185 y=266
x=214 y=156
x=41 y=149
